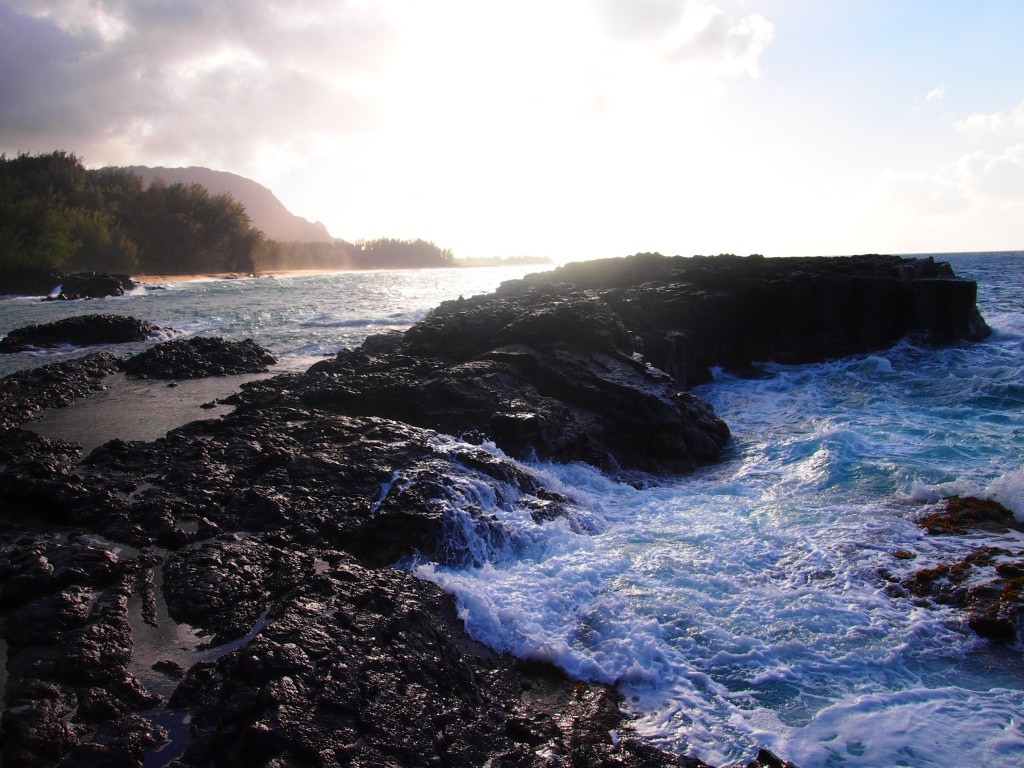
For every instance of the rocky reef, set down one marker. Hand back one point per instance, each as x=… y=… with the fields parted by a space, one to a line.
x=199 y=357
x=79 y=331
x=591 y=361
x=225 y=595
x=55 y=285
x=987 y=583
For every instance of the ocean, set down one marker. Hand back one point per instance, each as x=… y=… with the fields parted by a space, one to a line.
x=747 y=604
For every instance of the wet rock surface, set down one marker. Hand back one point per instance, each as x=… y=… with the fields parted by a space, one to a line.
x=199 y=357
x=69 y=691
x=80 y=331
x=24 y=394
x=987 y=584
x=280 y=520
x=92 y=285
x=76 y=285
x=587 y=362
x=261 y=543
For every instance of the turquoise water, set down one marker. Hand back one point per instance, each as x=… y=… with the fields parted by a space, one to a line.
x=298 y=318
x=745 y=605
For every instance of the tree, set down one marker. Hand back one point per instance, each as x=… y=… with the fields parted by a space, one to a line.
x=388 y=253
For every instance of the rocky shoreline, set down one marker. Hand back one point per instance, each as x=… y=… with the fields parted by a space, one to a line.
x=263 y=541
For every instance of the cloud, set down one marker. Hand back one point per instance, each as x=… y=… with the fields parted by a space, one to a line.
x=994 y=124
x=976 y=181
x=735 y=48
x=218 y=82
x=629 y=19
x=412 y=89
x=935 y=95
x=690 y=32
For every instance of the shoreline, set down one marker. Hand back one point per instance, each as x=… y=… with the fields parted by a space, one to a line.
x=192 y=277
x=258 y=531
x=157 y=279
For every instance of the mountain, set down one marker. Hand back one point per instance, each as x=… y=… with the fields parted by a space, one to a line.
x=267 y=213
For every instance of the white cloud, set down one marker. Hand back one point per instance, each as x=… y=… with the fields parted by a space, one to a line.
x=226 y=82
x=630 y=19
x=935 y=95
x=980 y=180
x=995 y=124
x=732 y=49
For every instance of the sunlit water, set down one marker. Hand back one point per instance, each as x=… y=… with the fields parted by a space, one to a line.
x=298 y=318
x=745 y=605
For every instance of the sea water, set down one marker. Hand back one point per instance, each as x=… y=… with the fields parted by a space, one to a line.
x=748 y=604
x=299 y=317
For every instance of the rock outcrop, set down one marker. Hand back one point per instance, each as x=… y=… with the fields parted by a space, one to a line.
x=263 y=541
x=79 y=331
x=92 y=285
x=63 y=286
x=591 y=361
x=690 y=315
x=988 y=583
x=199 y=357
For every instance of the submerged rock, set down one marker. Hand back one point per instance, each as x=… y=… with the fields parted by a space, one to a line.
x=79 y=331
x=988 y=583
x=963 y=514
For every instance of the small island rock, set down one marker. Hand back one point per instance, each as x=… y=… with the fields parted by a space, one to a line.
x=199 y=357
x=79 y=331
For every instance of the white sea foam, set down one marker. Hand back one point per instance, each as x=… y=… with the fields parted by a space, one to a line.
x=747 y=605
x=1008 y=490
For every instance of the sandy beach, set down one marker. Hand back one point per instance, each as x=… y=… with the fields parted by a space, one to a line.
x=156 y=279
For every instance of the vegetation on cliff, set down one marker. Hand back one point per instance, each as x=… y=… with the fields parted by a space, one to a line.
x=57 y=215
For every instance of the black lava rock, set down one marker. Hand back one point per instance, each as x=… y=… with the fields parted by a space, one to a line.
x=25 y=393
x=199 y=357
x=270 y=533
x=79 y=331
x=29 y=282
x=91 y=285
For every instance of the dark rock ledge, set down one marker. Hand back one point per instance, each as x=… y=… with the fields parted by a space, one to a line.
x=270 y=530
x=63 y=286
x=24 y=394
x=79 y=331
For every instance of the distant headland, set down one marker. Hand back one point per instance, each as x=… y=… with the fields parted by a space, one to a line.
x=57 y=215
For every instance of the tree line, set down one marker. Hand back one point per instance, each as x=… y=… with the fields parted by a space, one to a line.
x=383 y=253
x=56 y=214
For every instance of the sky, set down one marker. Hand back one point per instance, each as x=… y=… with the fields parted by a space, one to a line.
x=571 y=129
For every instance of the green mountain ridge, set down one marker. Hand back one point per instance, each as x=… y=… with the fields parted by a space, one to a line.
x=57 y=215
x=267 y=213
